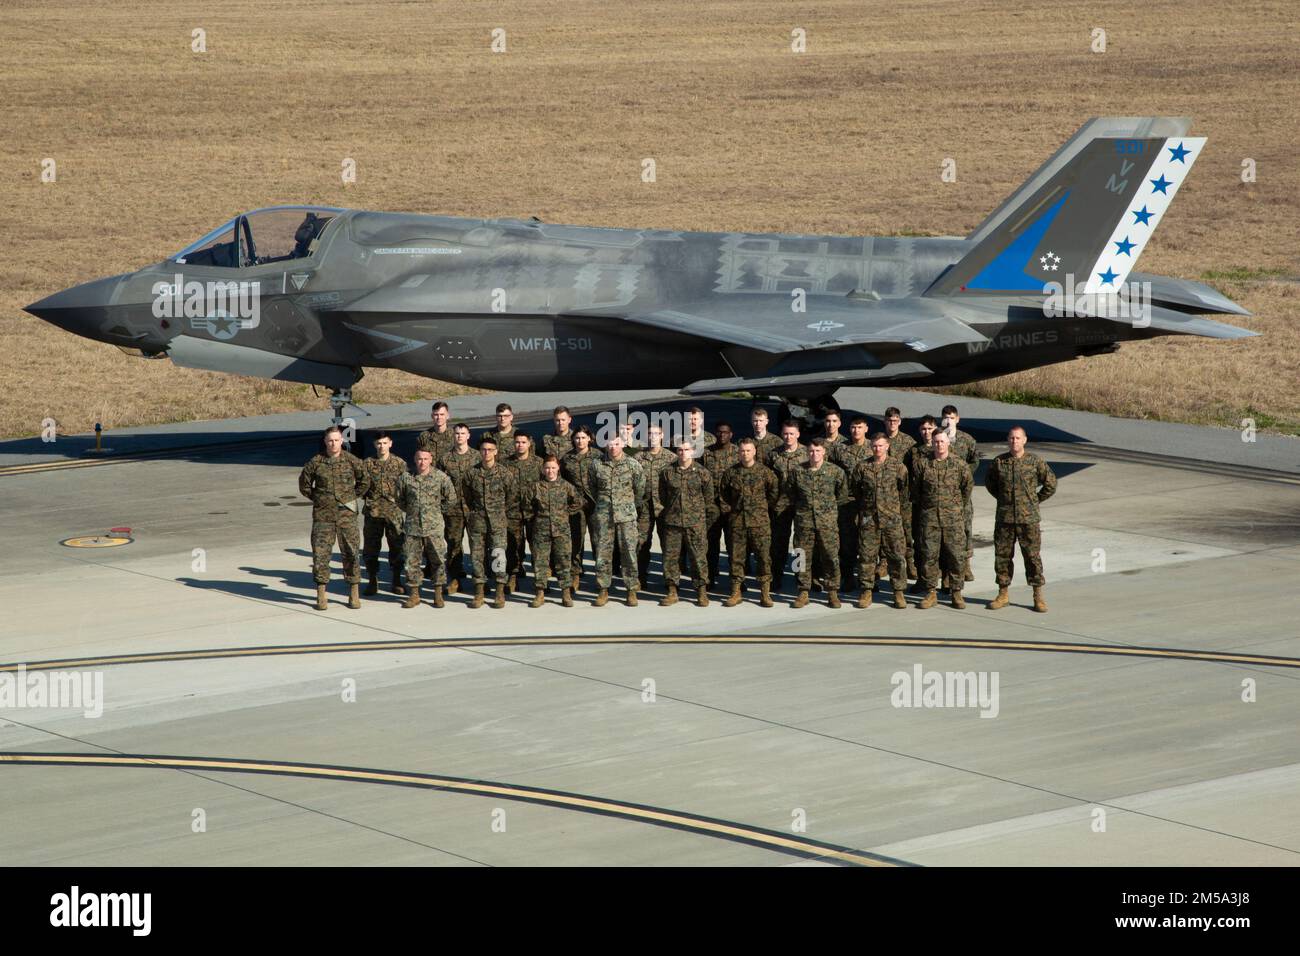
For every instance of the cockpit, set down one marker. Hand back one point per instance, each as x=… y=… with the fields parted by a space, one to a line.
x=274 y=234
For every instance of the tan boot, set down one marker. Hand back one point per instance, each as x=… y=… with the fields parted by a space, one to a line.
x=832 y=598
x=765 y=594
x=538 y=599
x=602 y=598
x=1039 y=604
x=900 y=597
x=321 y=603
x=566 y=597
x=702 y=596
x=735 y=595
x=412 y=597
x=631 y=598
x=957 y=600
x=1001 y=601
x=478 y=597
x=437 y=596
x=967 y=574
x=864 y=599
x=930 y=600
x=576 y=579
x=801 y=600
x=354 y=595
x=670 y=598
x=500 y=600
x=372 y=586
x=453 y=586
x=511 y=583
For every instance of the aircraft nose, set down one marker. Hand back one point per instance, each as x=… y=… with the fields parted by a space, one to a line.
x=83 y=309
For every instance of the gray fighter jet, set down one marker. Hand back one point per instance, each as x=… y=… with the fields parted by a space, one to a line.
x=316 y=295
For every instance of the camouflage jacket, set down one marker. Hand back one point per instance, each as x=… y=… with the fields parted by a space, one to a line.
x=457 y=467
x=1019 y=485
x=765 y=446
x=528 y=471
x=333 y=483
x=816 y=494
x=718 y=458
x=505 y=441
x=490 y=494
x=964 y=447
x=848 y=455
x=426 y=499
x=782 y=462
x=880 y=490
x=653 y=465
x=385 y=479
x=942 y=486
x=577 y=471
x=557 y=445
x=550 y=504
x=900 y=444
x=704 y=440
x=438 y=443
x=748 y=494
x=687 y=496
x=619 y=487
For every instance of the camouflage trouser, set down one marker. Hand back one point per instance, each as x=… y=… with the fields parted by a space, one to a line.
x=488 y=550
x=373 y=534
x=323 y=536
x=552 y=554
x=516 y=539
x=909 y=543
x=455 y=533
x=782 y=525
x=968 y=513
x=1005 y=537
x=849 y=546
x=696 y=541
x=942 y=544
x=877 y=541
x=607 y=535
x=821 y=550
x=716 y=531
x=419 y=549
x=647 y=527
x=744 y=541
x=578 y=531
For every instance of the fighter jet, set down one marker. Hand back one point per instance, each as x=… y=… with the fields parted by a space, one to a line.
x=317 y=295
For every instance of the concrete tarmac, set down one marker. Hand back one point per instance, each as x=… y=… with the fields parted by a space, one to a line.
x=1149 y=718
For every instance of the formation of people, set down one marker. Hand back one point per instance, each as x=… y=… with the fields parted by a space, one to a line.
x=840 y=512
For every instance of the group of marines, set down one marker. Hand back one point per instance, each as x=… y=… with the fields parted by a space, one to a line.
x=857 y=508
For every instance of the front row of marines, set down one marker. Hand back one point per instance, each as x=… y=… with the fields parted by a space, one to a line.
x=874 y=506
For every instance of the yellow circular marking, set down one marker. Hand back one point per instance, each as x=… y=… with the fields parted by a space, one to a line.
x=97 y=541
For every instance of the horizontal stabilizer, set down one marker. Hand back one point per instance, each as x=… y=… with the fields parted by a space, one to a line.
x=897 y=371
x=1172 y=321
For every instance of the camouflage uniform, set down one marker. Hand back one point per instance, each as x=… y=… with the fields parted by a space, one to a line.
x=490 y=493
x=815 y=496
x=528 y=471
x=505 y=441
x=964 y=448
x=650 y=521
x=765 y=446
x=436 y=443
x=550 y=505
x=688 y=508
x=700 y=442
x=848 y=456
x=718 y=458
x=557 y=445
x=881 y=495
x=942 y=487
x=620 y=496
x=457 y=466
x=912 y=458
x=426 y=500
x=899 y=446
x=747 y=496
x=384 y=516
x=782 y=462
x=576 y=470
x=331 y=484
x=1019 y=485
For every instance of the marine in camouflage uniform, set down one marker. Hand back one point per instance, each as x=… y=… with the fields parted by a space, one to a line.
x=686 y=493
x=900 y=443
x=1019 y=485
x=438 y=443
x=782 y=461
x=942 y=485
x=528 y=471
x=653 y=461
x=848 y=454
x=425 y=500
x=549 y=506
x=719 y=457
x=490 y=493
x=384 y=516
x=965 y=449
x=748 y=492
x=576 y=468
x=557 y=445
x=816 y=490
x=918 y=451
x=880 y=493
x=619 y=485
x=457 y=465
x=333 y=482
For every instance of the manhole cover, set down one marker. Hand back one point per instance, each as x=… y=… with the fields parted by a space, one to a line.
x=107 y=540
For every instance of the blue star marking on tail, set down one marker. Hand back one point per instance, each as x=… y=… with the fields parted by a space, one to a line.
x=1178 y=152
x=1125 y=248
x=1108 y=277
x=1160 y=185
x=1143 y=216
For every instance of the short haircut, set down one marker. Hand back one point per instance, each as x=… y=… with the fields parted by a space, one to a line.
x=504 y=407
x=817 y=443
x=423 y=451
x=382 y=433
x=561 y=408
x=487 y=440
x=726 y=425
x=927 y=420
x=877 y=436
x=695 y=410
x=759 y=412
x=333 y=428
x=550 y=458
x=891 y=411
x=950 y=410
x=748 y=441
x=1018 y=428
x=830 y=412
x=789 y=423
x=438 y=405
x=858 y=420
x=458 y=426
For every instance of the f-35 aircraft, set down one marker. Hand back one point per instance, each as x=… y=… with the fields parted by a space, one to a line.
x=316 y=295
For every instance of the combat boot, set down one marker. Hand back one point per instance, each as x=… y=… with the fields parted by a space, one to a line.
x=602 y=598
x=372 y=586
x=958 y=601
x=576 y=578
x=832 y=598
x=631 y=598
x=670 y=598
x=900 y=597
x=500 y=600
x=321 y=603
x=354 y=595
x=412 y=598
x=735 y=595
x=864 y=599
x=1039 y=604
x=931 y=599
x=538 y=599
x=765 y=594
x=511 y=584
x=801 y=600
x=1001 y=601
x=437 y=596
x=397 y=582
x=453 y=586
x=566 y=597
x=967 y=574
x=701 y=596
x=478 y=596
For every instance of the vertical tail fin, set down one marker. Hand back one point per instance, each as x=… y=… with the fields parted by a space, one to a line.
x=1087 y=212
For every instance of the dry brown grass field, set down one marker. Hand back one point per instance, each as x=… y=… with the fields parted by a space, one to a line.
x=156 y=144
